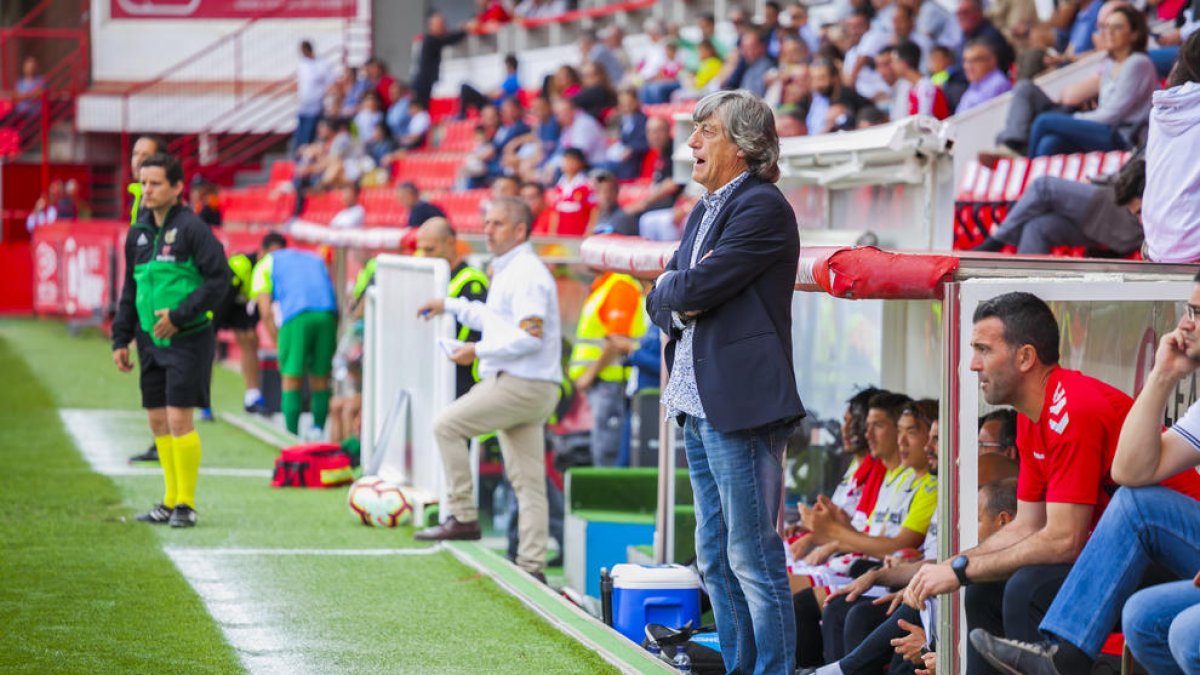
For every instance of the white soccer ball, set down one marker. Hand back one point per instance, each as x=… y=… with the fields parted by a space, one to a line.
x=378 y=503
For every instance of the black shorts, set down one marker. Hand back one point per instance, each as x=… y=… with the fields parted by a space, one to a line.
x=179 y=375
x=231 y=313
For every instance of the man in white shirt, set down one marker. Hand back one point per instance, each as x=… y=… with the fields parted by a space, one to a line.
x=520 y=369
x=313 y=78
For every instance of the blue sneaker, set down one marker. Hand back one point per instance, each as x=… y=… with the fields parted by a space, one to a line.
x=259 y=407
x=206 y=415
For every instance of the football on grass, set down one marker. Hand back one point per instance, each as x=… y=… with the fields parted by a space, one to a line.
x=378 y=503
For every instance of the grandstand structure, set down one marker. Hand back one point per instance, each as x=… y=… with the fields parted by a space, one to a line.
x=888 y=213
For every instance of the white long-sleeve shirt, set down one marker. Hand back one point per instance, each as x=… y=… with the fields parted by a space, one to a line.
x=522 y=290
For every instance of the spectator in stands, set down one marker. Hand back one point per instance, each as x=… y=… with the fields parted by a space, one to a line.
x=369 y=115
x=352 y=214
x=788 y=125
x=306 y=335
x=509 y=87
x=833 y=106
x=1061 y=212
x=705 y=79
x=924 y=97
x=706 y=24
x=983 y=74
x=27 y=99
x=941 y=60
x=625 y=157
x=793 y=58
x=534 y=196
x=398 y=115
x=664 y=190
x=580 y=131
x=511 y=126
x=1015 y=18
x=380 y=145
x=71 y=204
x=418 y=209
x=1064 y=485
x=1075 y=23
x=204 y=201
x=796 y=96
x=1144 y=524
x=858 y=71
x=935 y=22
x=753 y=66
x=738 y=282
x=770 y=30
x=593 y=51
x=473 y=172
x=419 y=122
x=597 y=97
x=521 y=340
x=904 y=29
x=313 y=79
x=1172 y=198
x=613 y=39
x=1037 y=125
x=610 y=217
x=346 y=93
x=657 y=73
x=1126 y=84
x=870 y=116
x=572 y=199
x=998 y=433
x=524 y=155
x=975 y=25
x=798 y=24
x=429 y=60
x=378 y=80
x=506 y=186
x=564 y=82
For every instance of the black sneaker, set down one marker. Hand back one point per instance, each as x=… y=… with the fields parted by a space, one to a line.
x=159 y=515
x=150 y=455
x=259 y=407
x=1030 y=658
x=183 y=516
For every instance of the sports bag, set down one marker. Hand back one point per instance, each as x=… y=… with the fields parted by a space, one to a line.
x=701 y=645
x=312 y=465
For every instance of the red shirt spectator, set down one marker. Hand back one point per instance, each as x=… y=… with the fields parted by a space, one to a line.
x=573 y=204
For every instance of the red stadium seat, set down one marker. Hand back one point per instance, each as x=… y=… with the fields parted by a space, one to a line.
x=282 y=171
x=430 y=171
x=457 y=136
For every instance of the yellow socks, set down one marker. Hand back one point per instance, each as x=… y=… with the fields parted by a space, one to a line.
x=187 y=467
x=166 y=457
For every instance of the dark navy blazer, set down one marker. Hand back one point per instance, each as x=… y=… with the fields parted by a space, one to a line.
x=743 y=340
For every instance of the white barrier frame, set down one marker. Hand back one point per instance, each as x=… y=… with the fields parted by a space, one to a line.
x=394 y=337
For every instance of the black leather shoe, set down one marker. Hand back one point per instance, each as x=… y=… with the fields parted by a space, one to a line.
x=451 y=530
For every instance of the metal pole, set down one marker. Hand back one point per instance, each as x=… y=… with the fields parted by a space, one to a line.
x=664 y=521
x=45 y=122
x=950 y=651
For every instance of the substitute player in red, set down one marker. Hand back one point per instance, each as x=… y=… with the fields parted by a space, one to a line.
x=1068 y=425
x=175 y=273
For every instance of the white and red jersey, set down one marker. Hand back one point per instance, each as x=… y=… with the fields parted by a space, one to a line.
x=926 y=98
x=573 y=201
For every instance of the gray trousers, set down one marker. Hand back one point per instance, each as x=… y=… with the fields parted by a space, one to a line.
x=1050 y=213
x=607 y=401
x=1028 y=101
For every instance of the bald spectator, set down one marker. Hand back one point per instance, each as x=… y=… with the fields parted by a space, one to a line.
x=419 y=210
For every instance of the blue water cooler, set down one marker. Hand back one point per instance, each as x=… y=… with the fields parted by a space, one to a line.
x=664 y=594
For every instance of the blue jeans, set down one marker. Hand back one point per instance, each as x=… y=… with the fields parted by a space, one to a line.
x=1139 y=525
x=306 y=131
x=609 y=410
x=737 y=480
x=1162 y=627
x=1057 y=133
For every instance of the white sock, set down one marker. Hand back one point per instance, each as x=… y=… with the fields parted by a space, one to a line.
x=252 y=396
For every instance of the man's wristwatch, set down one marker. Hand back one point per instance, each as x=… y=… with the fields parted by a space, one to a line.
x=959 y=565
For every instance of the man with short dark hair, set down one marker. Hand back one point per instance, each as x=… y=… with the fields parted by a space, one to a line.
x=175 y=272
x=1145 y=523
x=520 y=370
x=313 y=78
x=998 y=433
x=725 y=302
x=1067 y=430
x=419 y=210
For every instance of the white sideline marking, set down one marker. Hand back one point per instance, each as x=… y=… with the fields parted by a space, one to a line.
x=260 y=635
x=107 y=450
x=437 y=548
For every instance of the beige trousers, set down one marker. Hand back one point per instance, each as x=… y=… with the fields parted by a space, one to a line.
x=516 y=409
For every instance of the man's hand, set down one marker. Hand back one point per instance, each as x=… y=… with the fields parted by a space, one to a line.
x=585 y=382
x=163 y=328
x=855 y=588
x=121 y=358
x=464 y=355
x=930 y=659
x=622 y=343
x=431 y=309
x=821 y=554
x=892 y=600
x=818 y=519
x=929 y=581
x=909 y=647
x=1171 y=359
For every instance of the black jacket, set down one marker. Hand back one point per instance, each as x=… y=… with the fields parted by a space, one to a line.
x=742 y=345
x=185 y=237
